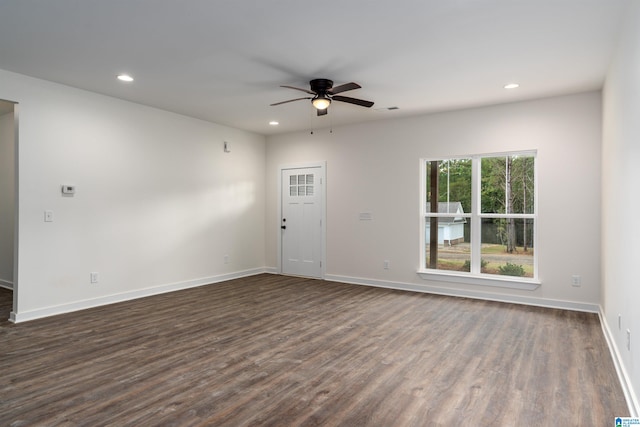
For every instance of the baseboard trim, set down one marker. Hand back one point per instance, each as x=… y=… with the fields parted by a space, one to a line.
x=514 y=299
x=6 y=284
x=24 y=316
x=625 y=381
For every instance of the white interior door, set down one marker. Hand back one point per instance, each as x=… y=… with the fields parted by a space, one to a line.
x=301 y=225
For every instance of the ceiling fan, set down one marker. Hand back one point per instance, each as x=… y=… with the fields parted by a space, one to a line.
x=323 y=93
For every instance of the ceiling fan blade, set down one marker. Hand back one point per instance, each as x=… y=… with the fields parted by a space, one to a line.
x=291 y=100
x=322 y=112
x=360 y=102
x=298 y=88
x=343 y=88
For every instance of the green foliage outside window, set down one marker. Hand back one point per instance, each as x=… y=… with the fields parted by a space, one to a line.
x=511 y=270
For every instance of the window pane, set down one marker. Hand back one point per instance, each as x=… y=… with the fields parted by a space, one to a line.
x=450 y=249
x=449 y=183
x=507 y=246
x=507 y=184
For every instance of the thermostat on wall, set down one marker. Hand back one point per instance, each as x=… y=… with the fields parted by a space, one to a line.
x=68 y=190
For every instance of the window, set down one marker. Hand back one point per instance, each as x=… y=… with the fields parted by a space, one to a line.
x=479 y=216
x=301 y=185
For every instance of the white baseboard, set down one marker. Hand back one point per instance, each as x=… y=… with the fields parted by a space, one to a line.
x=24 y=316
x=625 y=381
x=6 y=284
x=514 y=299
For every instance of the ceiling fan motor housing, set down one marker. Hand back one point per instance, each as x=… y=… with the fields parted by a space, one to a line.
x=321 y=86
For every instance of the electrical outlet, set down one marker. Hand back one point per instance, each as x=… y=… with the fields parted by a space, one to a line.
x=94 y=277
x=628 y=339
x=576 y=281
x=226 y=259
x=48 y=216
x=386 y=264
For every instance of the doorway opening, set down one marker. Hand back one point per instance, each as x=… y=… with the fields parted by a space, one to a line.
x=8 y=208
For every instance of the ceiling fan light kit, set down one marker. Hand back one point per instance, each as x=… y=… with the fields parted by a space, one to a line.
x=323 y=93
x=321 y=102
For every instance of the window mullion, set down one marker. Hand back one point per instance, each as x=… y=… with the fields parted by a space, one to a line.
x=476 y=236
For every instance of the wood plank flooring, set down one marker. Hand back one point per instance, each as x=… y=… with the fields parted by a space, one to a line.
x=271 y=350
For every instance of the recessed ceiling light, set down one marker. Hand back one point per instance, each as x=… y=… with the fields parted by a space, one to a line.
x=511 y=86
x=274 y=123
x=125 y=78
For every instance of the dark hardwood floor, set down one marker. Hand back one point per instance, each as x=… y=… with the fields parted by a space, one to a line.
x=282 y=351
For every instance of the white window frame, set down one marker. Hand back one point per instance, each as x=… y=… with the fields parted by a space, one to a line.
x=475 y=277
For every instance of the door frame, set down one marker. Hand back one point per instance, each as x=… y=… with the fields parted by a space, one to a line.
x=322 y=165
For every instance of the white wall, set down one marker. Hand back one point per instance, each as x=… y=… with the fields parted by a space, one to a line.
x=374 y=167
x=621 y=201
x=158 y=203
x=7 y=198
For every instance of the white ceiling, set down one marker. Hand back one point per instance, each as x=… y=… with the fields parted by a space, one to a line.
x=223 y=60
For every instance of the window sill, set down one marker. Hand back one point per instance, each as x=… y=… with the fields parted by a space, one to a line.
x=484 y=280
